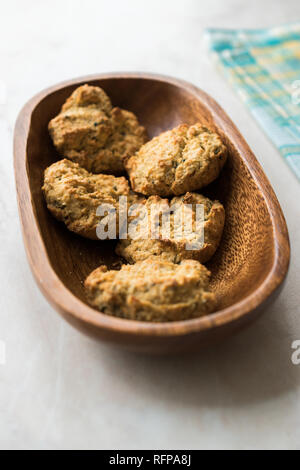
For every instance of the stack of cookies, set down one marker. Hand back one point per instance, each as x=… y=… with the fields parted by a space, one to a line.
x=164 y=279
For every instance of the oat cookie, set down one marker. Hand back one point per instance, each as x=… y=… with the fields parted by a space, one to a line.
x=89 y=131
x=172 y=246
x=73 y=195
x=89 y=96
x=177 y=161
x=152 y=290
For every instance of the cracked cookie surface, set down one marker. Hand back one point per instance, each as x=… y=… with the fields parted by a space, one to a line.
x=152 y=290
x=180 y=240
x=73 y=195
x=177 y=161
x=90 y=132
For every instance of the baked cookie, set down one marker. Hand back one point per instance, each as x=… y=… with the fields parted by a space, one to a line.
x=89 y=96
x=73 y=195
x=126 y=137
x=152 y=290
x=90 y=132
x=177 y=161
x=180 y=242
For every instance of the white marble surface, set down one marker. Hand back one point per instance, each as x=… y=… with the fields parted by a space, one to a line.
x=59 y=389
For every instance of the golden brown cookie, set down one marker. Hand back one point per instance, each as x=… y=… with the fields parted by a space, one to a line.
x=177 y=161
x=89 y=96
x=126 y=137
x=73 y=195
x=179 y=243
x=152 y=290
x=91 y=133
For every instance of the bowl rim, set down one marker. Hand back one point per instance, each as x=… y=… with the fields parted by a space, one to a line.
x=71 y=306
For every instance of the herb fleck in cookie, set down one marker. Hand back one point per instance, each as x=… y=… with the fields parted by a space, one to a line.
x=90 y=132
x=177 y=161
x=152 y=290
x=180 y=242
x=73 y=195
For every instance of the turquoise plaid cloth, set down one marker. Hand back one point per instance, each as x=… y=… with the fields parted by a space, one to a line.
x=264 y=67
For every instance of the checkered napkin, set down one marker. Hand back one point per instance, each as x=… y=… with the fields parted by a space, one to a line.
x=264 y=68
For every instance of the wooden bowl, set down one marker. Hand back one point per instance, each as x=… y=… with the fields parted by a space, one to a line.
x=249 y=267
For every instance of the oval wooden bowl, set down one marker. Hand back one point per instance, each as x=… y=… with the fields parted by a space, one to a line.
x=249 y=267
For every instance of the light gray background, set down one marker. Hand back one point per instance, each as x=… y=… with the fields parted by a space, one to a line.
x=59 y=389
